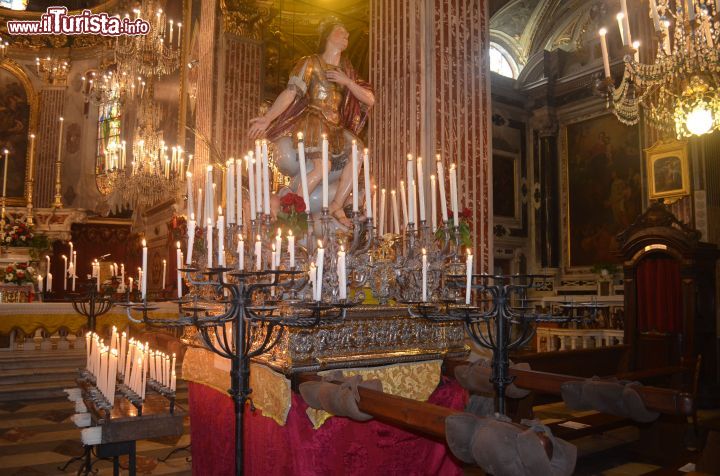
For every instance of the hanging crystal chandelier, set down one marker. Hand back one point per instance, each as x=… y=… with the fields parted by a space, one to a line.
x=107 y=86
x=156 y=171
x=680 y=91
x=154 y=54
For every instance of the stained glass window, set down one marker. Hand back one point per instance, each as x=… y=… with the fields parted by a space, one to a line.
x=108 y=130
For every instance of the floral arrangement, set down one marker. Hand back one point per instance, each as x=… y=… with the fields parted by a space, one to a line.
x=17 y=232
x=463 y=227
x=21 y=273
x=292 y=214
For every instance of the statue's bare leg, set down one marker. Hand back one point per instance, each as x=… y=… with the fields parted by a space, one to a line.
x=313 y=179
x=341 y=193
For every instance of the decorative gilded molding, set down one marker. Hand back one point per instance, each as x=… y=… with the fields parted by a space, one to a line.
x=244 y=18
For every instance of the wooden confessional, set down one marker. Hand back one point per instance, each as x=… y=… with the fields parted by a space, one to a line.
x=670 y=306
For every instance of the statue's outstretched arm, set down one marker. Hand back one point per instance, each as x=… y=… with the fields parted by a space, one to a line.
x=259 y=125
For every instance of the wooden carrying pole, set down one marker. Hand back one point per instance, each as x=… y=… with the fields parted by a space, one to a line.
x=662 y=400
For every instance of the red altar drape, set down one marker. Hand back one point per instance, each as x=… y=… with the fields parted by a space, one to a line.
x=339 y=447
x=659 y=295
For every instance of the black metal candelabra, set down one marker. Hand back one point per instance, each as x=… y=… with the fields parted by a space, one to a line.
x=239 y=319
x=500 y=319
x=91 y=303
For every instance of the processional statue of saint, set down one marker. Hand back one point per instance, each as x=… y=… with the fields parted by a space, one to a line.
x=324 y=96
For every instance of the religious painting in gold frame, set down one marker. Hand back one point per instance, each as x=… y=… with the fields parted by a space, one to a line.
x=668 y=170
x=18 y=118
x=601 y=188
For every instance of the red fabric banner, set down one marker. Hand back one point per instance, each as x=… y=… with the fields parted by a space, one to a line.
x=340 y=446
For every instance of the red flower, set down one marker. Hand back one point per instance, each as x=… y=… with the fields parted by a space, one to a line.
x=465 y=214
x=292 y=202
x=9 y=269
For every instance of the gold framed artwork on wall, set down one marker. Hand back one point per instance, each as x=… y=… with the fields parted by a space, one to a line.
x=668 y=170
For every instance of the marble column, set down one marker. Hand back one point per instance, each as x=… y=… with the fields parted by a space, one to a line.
x=51 y=107
x=205 y=86
x=240 y=67
x=429 y=67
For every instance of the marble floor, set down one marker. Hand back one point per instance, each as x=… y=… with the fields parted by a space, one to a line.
x=37 y=437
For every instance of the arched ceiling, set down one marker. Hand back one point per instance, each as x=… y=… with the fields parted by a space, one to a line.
x=526 y=28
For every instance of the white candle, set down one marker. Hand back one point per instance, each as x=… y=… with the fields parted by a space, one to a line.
x=468 y=276
x=241 y=252
x=40 y=283
x=238 y=191
x=221 y=238
x=230 y=191
x=453 y=195
x=278 y=243
x=424 y=275
x=396 y=217
x=374 y=203
x=410 y=189
x=74 y=267
x=433 y=203
x=381 y=220
x=145 y=268
x=209 y=196
x=65 y=272
x=171 y=371
x=5 y=152
x=191 y=239
x=403 y=200
x=258 y=253
x=199 y=207
x=291 y=248
x=441 y=186
x=122 y=272
x=112 y=375
x=620 y=17
x=60 y=138
x=320 y=265
x=31 y=173
x=164 y=272
x=123 y=348
x=355 y=177
x=325 y=171
x=47 y=268
x=655 y=16
x=603 y=47
x=273 y=261
x=258 y=177
x=626 y=23
x=179 y=38
x=303 y=171
x=209 y=243
x=689 y=7
x=178 y=261
x=251 y=185
x=266 y=177
x=636 y=47
x=173 y=381
x=130 y=284
x=366 y=170
x=312 y=275
x=421 y=188
x=342 y=278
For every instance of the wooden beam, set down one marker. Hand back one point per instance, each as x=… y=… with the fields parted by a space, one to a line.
x=420 y=417
x=657 y=399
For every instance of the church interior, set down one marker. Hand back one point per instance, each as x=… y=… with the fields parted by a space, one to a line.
x=314 y=237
